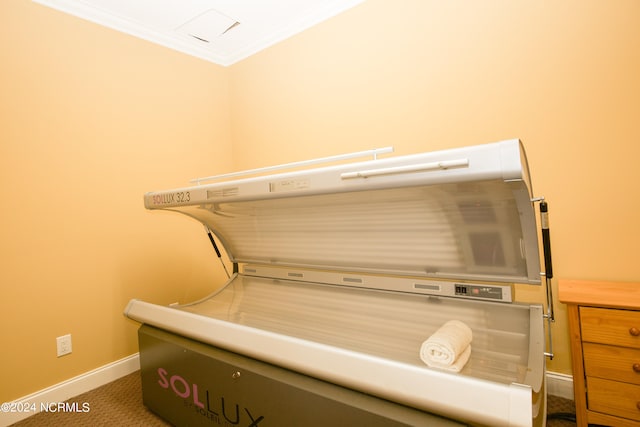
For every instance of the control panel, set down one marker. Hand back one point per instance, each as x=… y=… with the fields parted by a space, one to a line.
x=487 y=292
x=479 y=291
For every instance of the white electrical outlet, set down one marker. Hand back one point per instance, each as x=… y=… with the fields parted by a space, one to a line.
x=64 y=344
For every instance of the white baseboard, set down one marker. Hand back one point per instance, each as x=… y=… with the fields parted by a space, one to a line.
x=560 y=385
x=70 y=388
x=557 y=385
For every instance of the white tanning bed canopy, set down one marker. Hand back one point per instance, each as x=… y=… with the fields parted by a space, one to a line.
x=463 y=213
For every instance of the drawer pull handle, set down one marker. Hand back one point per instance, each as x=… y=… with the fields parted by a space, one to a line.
x=634 y=331
x=638 y=405
x=636 y=367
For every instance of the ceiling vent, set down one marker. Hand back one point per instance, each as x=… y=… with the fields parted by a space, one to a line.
x=220 y=31
x=208 y=26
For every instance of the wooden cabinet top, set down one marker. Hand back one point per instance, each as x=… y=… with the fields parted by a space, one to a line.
x=624 y=295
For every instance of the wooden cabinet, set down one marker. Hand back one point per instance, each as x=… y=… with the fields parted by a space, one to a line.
x=604 y=327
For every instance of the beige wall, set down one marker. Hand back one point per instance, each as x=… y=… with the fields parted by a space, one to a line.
x=90 y=119
x=423 y=75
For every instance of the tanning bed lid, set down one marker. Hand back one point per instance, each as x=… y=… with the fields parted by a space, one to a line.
x=464 y=213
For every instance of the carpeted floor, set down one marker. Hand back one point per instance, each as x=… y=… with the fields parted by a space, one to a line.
x=120 y=404
x=115 y=404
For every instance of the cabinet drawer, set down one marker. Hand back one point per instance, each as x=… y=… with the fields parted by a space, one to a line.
x=610 y=326
x=614 y=363
x=614 y=398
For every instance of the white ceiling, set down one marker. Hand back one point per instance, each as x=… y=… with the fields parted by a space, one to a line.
x=220 y=31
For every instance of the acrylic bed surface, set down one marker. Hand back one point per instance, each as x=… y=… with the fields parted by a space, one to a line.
x=369 y=341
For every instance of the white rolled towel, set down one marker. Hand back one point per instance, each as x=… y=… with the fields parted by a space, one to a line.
x=449 y=347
